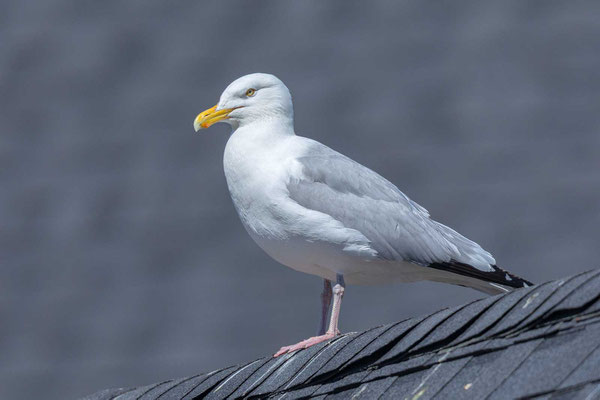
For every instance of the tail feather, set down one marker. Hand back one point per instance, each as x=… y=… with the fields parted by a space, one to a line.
x=497 y=276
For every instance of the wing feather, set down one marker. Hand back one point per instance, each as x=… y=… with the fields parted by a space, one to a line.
x=397 y=227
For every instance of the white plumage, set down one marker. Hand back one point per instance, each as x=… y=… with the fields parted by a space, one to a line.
x=317 y=211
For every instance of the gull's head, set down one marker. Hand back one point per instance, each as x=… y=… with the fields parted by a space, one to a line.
x=249 y=99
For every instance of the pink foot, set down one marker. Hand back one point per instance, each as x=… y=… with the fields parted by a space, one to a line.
x=305 y=343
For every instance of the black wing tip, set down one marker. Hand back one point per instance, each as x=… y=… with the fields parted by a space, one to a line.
x=498 y=275
x=522 y=282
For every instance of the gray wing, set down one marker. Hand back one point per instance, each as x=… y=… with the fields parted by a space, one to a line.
x=397 y=227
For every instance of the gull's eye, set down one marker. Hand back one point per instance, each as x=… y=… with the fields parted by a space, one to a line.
x=250 y=92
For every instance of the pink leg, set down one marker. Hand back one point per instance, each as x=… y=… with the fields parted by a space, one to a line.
x=325 y=303
x=338 y=293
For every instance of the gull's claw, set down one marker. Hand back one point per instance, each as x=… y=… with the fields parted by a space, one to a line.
x=305 y=343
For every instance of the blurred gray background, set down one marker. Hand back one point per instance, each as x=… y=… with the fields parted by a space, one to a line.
x=122 y=259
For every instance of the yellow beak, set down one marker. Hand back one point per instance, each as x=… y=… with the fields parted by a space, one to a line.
x=211 y=116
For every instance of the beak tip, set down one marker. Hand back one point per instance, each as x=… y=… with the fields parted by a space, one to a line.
x=209 y=117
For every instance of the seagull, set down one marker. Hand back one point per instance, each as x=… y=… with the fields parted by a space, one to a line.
x=322 y=213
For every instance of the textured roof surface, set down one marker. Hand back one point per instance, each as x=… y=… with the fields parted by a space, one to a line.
x=538 y=342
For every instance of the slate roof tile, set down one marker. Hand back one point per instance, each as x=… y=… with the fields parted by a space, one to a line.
x=184 y=386
x=209 y=383
x=586 y=392
x=588 y=294
x=371 y=389
x=525 y=307
x=106 y=394
x=425 y=384
x=159 y=389
x=343 y=385
x=311 y=367
x=560 y=355
x=416 y=334
x=230 y=384
x=348 y=352
x=265 y=370
x=457 y=323
x=494 y=314
x=584 y=372
x=137 y=393
x=495 y=373
x=388 y=337
x=564 y=289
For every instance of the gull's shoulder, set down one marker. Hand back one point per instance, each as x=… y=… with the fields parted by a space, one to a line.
x=308 y=147
x=320 y=164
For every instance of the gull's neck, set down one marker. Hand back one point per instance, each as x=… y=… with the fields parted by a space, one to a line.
x=265 y=129
x=250 y=161
x=253 y=144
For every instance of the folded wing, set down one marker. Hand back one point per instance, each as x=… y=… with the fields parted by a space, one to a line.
x=397 y=228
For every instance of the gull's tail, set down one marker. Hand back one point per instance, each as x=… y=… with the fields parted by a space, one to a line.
x=491 y=282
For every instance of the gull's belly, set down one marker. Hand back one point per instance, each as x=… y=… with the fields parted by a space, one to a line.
x=327 y=259
x=297 y=253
